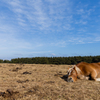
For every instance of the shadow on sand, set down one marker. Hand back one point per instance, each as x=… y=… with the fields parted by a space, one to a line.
x=64 y=77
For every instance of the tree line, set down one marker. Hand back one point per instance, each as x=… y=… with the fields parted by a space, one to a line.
x=54 y=60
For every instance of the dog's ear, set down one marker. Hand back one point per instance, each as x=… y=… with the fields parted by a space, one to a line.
x=77 y=69
x=74 y=67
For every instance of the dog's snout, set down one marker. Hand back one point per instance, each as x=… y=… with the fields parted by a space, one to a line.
x=70 y=79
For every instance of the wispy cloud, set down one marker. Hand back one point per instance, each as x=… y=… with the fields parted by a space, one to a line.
x=38 y=15
x=81 y=22
x=34 y=25
x=80 y=11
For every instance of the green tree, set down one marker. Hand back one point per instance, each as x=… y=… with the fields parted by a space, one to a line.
x=1 y=61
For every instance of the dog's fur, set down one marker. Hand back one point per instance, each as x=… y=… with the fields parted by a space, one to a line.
x=85 y=70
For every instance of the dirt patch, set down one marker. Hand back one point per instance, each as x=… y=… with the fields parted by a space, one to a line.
x=16 y=69
x=19 y=81
x=9 y=94
x=43 y=82
x=26 y=72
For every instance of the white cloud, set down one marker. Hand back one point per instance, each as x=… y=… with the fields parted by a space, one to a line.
x=80 y=11
x=59 y=43
x=53 y=54
x=38 y=14
x=68 y=27
x=81 y=22
x=32 y=24
x=39 y=52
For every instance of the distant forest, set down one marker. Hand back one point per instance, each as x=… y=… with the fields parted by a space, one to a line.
x=54 y=60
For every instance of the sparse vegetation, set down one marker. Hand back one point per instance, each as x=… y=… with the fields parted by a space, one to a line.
x=43 y=82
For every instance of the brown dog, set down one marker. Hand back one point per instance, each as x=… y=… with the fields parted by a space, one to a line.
x=84 y=70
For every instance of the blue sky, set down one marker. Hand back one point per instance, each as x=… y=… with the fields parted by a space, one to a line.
x=35 y=28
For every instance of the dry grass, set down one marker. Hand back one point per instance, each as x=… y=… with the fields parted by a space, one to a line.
x=43 y=82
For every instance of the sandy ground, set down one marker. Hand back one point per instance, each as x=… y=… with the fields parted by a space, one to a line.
x=43 y=82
